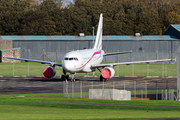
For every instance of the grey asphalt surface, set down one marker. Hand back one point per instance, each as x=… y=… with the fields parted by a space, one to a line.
x=13 y=85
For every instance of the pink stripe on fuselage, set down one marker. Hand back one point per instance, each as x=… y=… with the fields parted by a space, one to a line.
x=99 y=52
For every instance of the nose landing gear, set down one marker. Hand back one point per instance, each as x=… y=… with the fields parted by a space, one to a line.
x=72 y=79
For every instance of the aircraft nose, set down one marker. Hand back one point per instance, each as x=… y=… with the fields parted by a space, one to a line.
x=67 y=66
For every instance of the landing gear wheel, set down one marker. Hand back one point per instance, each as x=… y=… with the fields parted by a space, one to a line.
x=101 y=78
x=62 y=77
x=67 y=77
x=73 y=80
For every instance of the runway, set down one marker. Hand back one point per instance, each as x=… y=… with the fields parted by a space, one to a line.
x=14 y=85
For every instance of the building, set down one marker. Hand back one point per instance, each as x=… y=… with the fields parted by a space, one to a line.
x=143 y=47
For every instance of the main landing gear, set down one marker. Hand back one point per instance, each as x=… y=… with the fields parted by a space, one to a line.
x=72 y=79
x=103 y=79
x=66 y=77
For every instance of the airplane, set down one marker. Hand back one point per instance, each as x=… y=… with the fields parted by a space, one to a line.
x=85 y=61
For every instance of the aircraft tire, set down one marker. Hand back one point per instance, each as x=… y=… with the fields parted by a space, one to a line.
x=62 y=77
x=67 y=77
x=73 y=80
x=101 y=78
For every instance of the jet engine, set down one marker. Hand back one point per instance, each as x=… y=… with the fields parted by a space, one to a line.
x=49 y=72
x=107 y=72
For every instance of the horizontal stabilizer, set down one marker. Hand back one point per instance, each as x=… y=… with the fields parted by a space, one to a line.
x=115 y=53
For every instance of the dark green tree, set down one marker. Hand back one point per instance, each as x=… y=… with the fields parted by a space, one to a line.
x=36 y=22
x=11 y=14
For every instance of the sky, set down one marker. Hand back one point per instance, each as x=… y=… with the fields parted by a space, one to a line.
x=65 y=2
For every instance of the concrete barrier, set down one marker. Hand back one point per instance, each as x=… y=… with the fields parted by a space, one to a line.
x=110 y=94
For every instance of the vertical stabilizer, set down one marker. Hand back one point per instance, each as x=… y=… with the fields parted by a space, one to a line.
x=98 y=42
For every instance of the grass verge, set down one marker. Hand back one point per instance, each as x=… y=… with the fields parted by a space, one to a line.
x=38 y=106
x=143 y=69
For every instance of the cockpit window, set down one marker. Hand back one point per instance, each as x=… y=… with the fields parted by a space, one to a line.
x=76 y=59
x=70 y=58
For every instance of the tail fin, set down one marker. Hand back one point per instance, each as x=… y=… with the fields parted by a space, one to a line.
x=98 y=42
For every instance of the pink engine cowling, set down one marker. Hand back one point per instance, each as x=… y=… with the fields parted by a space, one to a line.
x=49 y=72
x=107 y=72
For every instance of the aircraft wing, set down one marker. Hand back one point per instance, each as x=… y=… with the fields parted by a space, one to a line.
x=31 y=60
x=128 y=63
x=115 y=53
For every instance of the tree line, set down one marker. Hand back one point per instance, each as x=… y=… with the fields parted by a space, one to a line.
x=121 y=17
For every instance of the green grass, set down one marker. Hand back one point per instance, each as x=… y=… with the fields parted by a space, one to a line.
x=37 y=106
x=35 y=69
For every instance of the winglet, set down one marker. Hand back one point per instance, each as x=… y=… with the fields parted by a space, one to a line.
x=98 y=42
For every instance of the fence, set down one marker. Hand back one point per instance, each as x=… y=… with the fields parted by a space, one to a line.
x=134 y=56
x=35 y=69
x=153 y=90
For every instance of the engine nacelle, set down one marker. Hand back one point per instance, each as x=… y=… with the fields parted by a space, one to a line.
x=107 y=72
x=49 y=72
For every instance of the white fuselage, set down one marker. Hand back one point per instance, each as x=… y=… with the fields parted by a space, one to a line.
x=81 y=60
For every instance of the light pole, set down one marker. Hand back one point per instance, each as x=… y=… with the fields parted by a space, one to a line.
x=93 y=35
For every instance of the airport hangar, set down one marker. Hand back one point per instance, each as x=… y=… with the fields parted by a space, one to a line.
x=55 y=47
